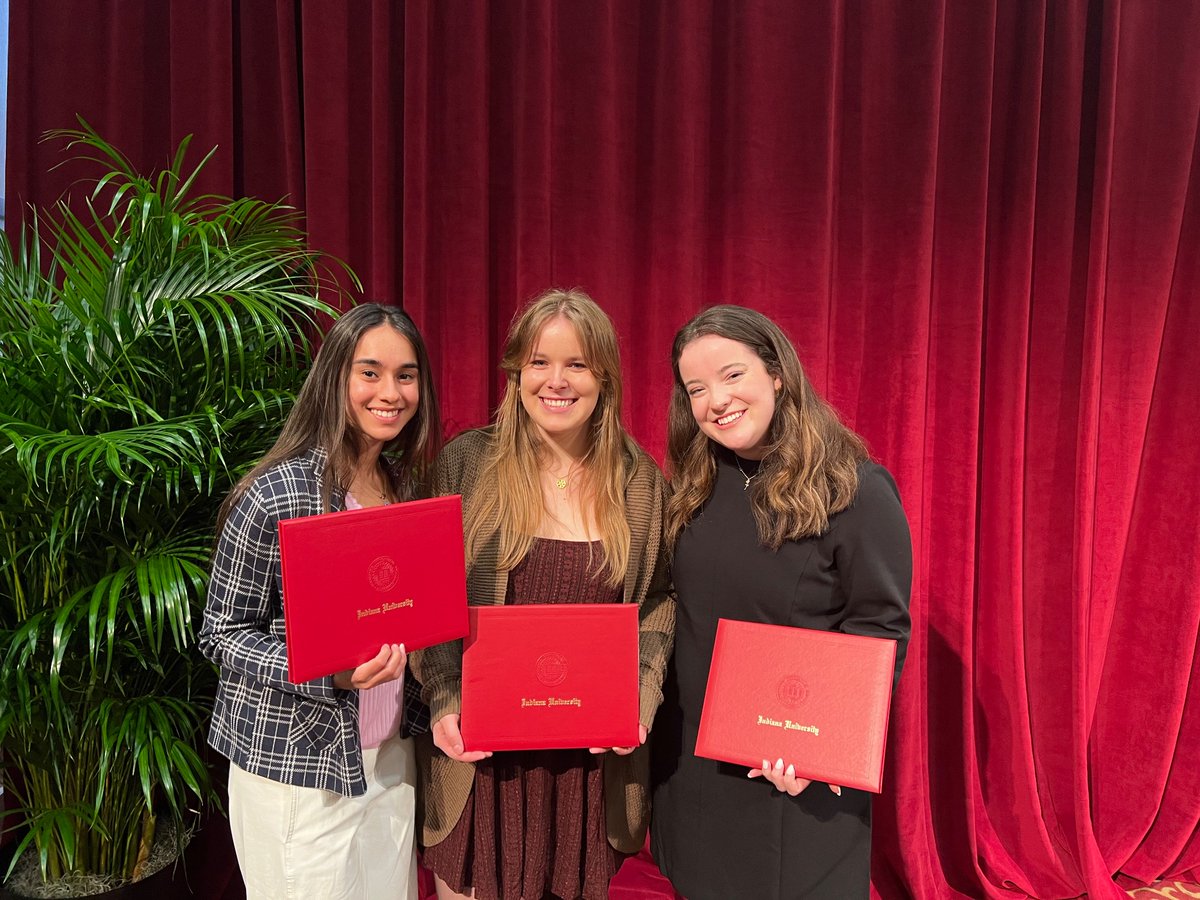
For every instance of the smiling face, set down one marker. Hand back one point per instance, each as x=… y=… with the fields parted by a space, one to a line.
x=731 y=393
x=558 y=388
x=382 y=395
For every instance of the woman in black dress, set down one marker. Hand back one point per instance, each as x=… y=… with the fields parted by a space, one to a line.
x=777 y=516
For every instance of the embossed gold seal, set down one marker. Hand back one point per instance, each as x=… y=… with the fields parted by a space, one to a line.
x=383 y=573
x=792 y=691
x=551 y=668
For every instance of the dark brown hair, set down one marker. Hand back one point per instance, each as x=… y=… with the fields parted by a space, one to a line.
x=810 y=470
x=321 y=416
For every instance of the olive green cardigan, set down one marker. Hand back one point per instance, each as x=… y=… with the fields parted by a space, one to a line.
x=446 y=783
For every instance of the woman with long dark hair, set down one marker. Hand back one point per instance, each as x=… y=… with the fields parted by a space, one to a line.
x=321 y=784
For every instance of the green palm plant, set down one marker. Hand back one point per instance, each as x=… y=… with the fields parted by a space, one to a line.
x=150 y=348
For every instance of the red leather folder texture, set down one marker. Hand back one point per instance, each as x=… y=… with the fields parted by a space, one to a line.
x=358 y=579
x=818 y=699
x=550 y=676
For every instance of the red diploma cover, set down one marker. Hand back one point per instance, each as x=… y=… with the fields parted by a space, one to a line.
x=551 y=676
x=358 y=579
x=818 y=699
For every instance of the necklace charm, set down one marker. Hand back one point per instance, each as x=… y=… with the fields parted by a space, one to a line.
x=563 y=481
x=363 y=485
x=746 y=486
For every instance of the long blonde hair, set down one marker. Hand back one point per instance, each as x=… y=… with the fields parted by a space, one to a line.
x=511 y=501
x=810 y=470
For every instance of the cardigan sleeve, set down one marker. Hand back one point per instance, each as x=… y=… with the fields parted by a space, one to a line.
x=656 y=611
x=439 y=668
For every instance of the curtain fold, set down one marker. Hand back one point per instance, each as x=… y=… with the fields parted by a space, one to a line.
x=980 y=224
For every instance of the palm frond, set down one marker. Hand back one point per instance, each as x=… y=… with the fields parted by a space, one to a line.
x=151 y=344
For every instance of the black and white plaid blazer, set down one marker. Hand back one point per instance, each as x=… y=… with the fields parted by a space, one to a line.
x=302 y=734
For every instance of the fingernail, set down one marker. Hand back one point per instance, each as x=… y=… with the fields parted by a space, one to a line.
x=779 y=763
x=766 y=765
x=837 y=790
x=402 y=650
x=791 y=770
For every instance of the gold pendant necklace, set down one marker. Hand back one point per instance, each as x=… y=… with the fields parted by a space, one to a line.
x=367 y=487
x=561 y=481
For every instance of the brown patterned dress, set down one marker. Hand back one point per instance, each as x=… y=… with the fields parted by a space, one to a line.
x=534 y=825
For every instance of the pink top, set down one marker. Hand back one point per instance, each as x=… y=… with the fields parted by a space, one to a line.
x=379 y=708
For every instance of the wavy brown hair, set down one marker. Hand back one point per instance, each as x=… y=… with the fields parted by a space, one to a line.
x=511 y=499
x=810 y=469
x=321 y=416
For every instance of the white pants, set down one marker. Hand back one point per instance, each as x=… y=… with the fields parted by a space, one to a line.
x=304 y=843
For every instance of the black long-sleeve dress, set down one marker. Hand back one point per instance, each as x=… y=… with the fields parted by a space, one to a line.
x=715 y=833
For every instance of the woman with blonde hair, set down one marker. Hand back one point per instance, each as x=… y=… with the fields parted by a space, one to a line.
x=777 y=516
x=559 y=505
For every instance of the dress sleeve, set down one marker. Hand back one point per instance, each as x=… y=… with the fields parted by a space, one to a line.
x=241 y=604
x=873 y=554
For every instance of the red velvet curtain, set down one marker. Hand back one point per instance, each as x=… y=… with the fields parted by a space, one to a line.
x=980 y=223
x=302 y=102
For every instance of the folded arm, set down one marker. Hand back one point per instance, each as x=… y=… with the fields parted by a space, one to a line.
x=243 y=601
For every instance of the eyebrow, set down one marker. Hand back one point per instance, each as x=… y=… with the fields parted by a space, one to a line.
x=375 y=362
x=720 y=371
x=570 y=359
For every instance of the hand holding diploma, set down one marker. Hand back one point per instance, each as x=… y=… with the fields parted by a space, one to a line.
x=448 y=739
x=623 y=751
x=785 y=779
x=387 y=665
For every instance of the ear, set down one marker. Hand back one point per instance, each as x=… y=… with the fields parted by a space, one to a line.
x=778 y=384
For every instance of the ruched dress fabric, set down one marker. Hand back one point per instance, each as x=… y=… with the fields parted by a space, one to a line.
x=716 y=833
x=534 y=824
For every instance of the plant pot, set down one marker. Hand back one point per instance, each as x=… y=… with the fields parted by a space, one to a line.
x=207 y=870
